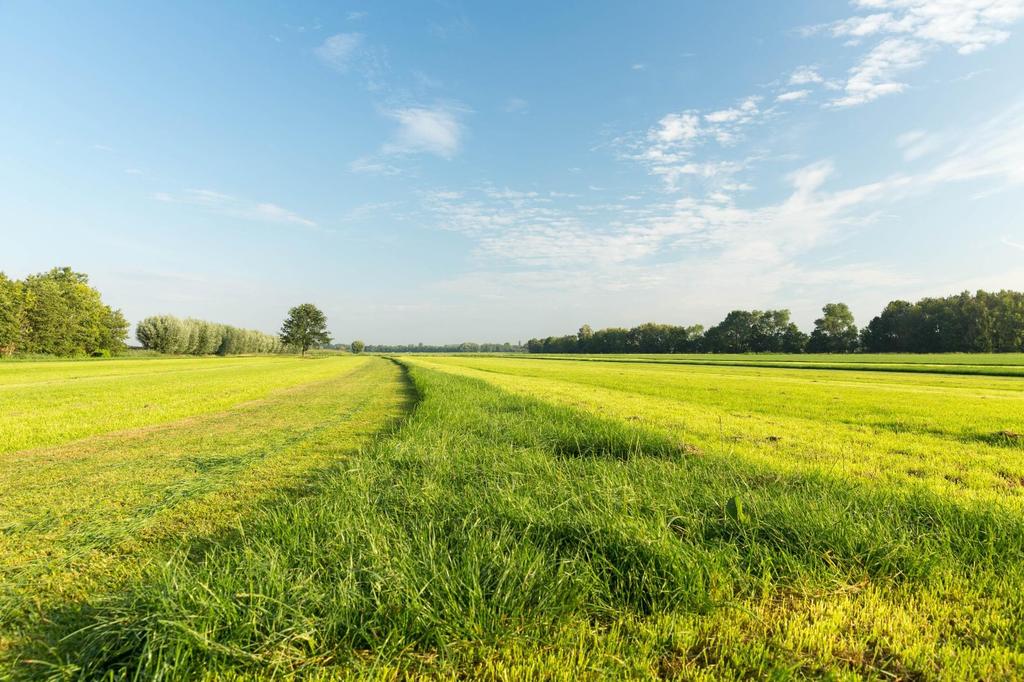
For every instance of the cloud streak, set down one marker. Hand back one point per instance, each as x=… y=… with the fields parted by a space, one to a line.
x=235 y=207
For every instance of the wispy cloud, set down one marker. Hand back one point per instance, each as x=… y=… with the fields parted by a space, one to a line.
x=339 y=50
x=875 y=75
x=908 y=31
x=515 y=105
x=918 y=143
x=351 y=53
x=433 y=130
x=992 y=153
x=669 y=148
x=792 y=95
x=523 y=240
x=235 y=207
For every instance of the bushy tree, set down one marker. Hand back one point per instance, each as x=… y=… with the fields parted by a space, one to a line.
x=834 y=331
x=58 y=313
x=162 y=333
x=305 y=327
x=754 y=331
x=168 y=334
x=13 y=323
x=964 y=323
x=357 y=347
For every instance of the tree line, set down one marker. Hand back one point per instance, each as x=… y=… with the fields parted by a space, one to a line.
x=57 y=313
x=169 y=334
x=982 y=322
x=465 y=347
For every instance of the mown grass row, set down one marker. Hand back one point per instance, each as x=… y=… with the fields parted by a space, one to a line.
x=498 y=536
x=969 y=364
x=76 y=519
x=46 y=403
x=957 y=436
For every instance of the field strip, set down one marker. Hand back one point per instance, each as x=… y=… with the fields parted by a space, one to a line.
x=222 y=365
x=969 y=471
x=51 y=414
x=74 y=512
x=1008 y=370
x=990 y=386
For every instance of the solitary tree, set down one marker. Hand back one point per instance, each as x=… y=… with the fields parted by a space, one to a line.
x=357 y=347
x=834 y=331
x=305 y=327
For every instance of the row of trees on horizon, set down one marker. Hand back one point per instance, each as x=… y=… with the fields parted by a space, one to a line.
x=983 y=322
x=58 y=313
x=169 y=334
x=465 y=347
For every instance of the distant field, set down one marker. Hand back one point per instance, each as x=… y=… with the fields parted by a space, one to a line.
x=672 y=517
x=996 y=364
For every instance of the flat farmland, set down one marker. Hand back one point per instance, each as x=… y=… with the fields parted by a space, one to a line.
x=521 y=517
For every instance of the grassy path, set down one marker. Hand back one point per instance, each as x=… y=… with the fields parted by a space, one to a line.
x=53 y=402
x=81 y=516
x=499 y=535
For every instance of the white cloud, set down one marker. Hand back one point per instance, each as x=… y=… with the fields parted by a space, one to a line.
x=339 y=50
x=908 y=30
x=712 y=243
x=668 y=148
x=677 y=128
x=967 y=25
x=805 y=75
x=874 y=76
x=433 y=130
x=793 y=95
x=228 y=205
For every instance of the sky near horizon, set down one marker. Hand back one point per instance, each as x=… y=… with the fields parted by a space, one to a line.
x=447 y=171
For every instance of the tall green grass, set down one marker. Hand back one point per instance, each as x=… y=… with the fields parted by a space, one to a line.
x=79 y=518
x=495 y=535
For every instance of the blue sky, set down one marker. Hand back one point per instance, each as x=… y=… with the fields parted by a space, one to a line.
x=442 y=171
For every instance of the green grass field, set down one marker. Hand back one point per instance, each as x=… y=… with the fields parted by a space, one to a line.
x=673 y=517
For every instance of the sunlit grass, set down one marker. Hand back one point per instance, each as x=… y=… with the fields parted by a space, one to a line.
x=77 y=517
x=45 y=403
x=993 y=364
x=556 y=519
